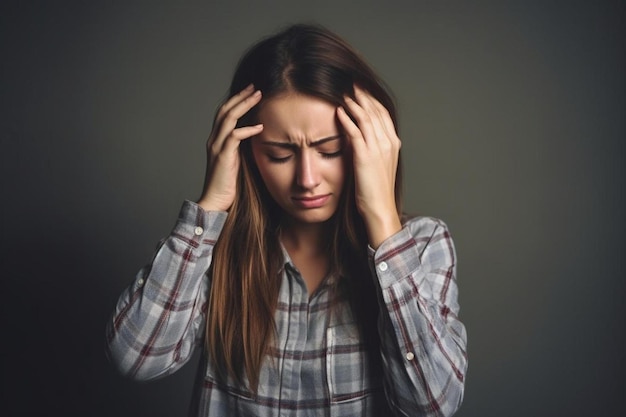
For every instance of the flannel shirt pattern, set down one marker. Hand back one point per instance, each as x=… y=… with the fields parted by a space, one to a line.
x=318 y=366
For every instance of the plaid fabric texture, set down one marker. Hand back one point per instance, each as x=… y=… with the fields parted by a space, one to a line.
x=318 y=366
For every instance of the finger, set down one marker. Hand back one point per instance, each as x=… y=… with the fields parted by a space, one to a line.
x=241 y=108
x=231 y=102
x=363 y=121
x=387 y=121
x=230 y=119
x=382 y=119
x=240 y=134
x=377 y=113
x=353 y=133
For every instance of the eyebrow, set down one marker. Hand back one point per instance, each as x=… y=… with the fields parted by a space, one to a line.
x=288 y=145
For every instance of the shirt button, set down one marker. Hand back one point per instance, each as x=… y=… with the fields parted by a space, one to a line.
x=140 y=281
x=410 y=356
x=198 y=231
x=383 y=266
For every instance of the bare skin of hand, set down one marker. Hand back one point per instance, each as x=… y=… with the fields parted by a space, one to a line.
x=222 y=150
x=375 y=146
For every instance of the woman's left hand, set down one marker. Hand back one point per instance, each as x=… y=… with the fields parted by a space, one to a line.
x=375 y=150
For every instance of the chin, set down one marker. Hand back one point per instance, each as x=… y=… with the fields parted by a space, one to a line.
x=312 y=216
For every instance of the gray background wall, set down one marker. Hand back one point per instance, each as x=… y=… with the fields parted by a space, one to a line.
x=512 y=117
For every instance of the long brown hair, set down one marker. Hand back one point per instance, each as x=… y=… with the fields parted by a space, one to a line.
x=245 y=279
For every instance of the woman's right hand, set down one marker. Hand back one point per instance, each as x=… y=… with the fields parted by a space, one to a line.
x=222 y=150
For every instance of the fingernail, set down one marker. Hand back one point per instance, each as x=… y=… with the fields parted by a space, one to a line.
x=259 y=126
x=257 y=93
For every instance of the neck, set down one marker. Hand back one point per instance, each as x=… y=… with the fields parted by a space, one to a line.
x=306 y=238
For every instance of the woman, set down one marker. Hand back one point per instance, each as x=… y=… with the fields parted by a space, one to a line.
x=294 y=271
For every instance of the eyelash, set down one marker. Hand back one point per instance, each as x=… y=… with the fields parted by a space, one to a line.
x=287 y=158
x=331 y=155
x=278 y=160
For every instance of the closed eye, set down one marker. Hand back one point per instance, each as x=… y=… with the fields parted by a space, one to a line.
x=330 y=155
x=279 y=159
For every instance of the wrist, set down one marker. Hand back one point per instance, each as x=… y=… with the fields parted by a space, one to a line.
x=381 y=227
x=209 y=205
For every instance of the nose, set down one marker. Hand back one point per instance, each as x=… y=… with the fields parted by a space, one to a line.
x=308 y=175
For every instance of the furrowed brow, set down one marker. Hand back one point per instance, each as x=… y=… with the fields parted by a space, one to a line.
x=288 y=145
x=324 y=140
x=284 y=145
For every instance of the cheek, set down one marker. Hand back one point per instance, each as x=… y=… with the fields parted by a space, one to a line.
x=340 y=172
x=262 y=166
x=275 y=177
x=272 y=181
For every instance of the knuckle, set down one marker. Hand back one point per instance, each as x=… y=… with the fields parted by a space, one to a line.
x=354 y=131
x=229 y=118
x=386 y=147
x=214 y=149
x=366 y=121
x=233 y=135
x=222 y=111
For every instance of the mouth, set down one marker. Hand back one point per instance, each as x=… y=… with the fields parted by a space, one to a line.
x=315 y=201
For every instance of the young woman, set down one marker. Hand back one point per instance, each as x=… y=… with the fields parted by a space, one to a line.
x=295 y=273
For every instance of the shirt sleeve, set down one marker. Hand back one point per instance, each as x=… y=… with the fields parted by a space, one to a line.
x=423 y=342
x=159 y=318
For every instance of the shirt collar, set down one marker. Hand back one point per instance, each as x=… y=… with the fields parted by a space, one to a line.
x=331 y=279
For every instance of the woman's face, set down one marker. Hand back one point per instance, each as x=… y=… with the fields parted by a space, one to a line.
x=300 y=155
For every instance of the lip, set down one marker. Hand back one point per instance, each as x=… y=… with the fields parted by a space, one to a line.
x=315 y=201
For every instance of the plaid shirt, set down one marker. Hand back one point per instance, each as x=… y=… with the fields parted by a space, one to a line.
x=318 y=365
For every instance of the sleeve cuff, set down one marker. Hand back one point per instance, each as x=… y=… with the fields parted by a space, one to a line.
x=396 y=258
x=197 y=225
x=401 y=255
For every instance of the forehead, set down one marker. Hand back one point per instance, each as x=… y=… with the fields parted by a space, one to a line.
x=297 y=117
